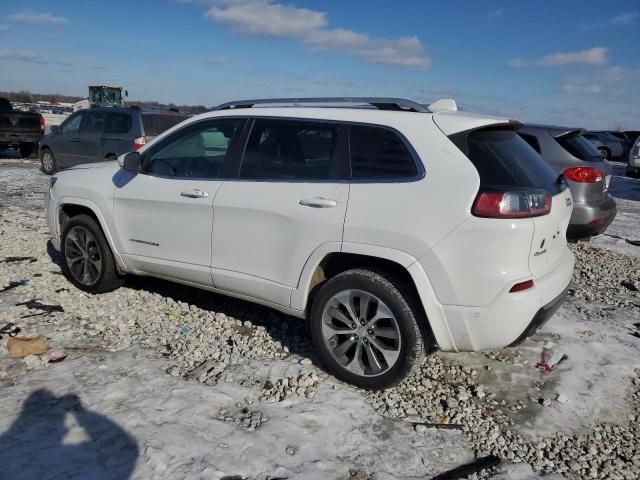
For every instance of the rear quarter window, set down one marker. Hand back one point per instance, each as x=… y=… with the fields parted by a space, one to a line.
x=156 y=123
x=118 y=123
x=379 y=154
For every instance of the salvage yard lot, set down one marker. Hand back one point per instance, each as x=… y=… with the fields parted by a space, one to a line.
x=164 y=381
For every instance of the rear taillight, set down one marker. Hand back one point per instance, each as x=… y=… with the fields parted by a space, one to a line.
x=583 y=174
x=41 y=123
x=139 y=142
x=512 y=203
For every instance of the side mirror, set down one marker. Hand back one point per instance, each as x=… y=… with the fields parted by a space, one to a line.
x=130 y=161
x=55 y=129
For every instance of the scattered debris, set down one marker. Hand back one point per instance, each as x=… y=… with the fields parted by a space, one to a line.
x=10 y=329
x=303 y=385
x=633 y=242
x=184 y=330
x=57 y=357
x=549 y=360
x=24 y=346
x=173 y=314
x=291 y=449
x=19 y=259
x=562 y=398
x=36 y=305
x=11 y=286
x=242 y=416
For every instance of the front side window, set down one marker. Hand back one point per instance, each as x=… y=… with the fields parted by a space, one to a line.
x=93 y=122
x=118 y=123
x=291 y=150
x=379 y=154
x=73 y=124
x=198 y=151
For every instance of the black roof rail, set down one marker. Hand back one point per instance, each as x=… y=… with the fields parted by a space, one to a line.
x=381 y=103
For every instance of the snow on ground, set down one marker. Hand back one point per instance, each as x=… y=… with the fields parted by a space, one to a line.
x=133 y=401
x=626 y=225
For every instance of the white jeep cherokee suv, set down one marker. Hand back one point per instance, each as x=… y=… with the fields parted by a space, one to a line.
x=392 y=227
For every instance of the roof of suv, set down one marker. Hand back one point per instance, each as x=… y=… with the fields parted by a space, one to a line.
x=134 y=109
x=358 y=109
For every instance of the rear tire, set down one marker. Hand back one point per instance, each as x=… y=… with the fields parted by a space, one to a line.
x=27 y=149
x=48 y=162
x=88 y=261
x=373 y=348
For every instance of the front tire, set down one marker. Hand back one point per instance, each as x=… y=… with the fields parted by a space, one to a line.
x=48 y=161
x=365 y=330
x=88 y=261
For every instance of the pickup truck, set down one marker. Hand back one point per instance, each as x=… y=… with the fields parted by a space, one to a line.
x=21 y=130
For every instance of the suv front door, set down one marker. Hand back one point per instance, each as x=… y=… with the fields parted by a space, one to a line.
x=164 y=213
x=64 y=145
x=290 y=198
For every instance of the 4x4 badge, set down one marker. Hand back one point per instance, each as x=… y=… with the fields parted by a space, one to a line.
x=568 y=202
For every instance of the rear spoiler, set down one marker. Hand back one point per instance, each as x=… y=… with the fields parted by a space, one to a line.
x=569 y=132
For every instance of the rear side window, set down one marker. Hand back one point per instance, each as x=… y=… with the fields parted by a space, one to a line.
x=156 y=123
x=580 y=147
x=291 y=150
x=118 y=123
x=379 y=154
x=504 y=159
x=93 y=122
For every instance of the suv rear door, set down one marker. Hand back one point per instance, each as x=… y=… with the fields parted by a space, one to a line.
x=118 y=134
x=289 y=199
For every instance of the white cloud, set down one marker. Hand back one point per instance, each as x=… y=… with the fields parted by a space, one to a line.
x=216 y=60
x=266 y=18
x=403 y=51
x=21 y=55
x=517 y=62
x=37 y=18
x=628 y=18
x=593 y=56
x=498 y=12
x=573 y=88
x=4 y=28
x=622 y=20
x=269 y=19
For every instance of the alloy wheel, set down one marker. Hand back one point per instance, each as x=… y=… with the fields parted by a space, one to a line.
x=47 y=161
x=361 y=333
x=83 y=255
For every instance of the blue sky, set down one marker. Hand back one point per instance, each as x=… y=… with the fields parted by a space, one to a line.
x=569 y=62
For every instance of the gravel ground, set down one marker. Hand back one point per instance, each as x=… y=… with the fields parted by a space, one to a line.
x=210 y=339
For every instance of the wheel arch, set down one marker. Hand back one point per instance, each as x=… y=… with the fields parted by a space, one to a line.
x=328 y=263
x=68 y=207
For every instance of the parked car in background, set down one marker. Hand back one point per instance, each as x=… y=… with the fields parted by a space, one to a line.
x=633 y=162
x=569 y=153
x=632 y=135
x=103 y=133
x=19 y=130
x=609 y=146
x=330 y=214
x=625 y=140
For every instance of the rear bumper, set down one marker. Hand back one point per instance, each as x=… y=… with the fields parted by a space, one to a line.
x=9 y=138
x=541 y=317
x=511 y=317
x=589 y=219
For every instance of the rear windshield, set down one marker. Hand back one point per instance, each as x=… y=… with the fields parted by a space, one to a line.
x=504 y=159
x=580 y=147
x=156 y=123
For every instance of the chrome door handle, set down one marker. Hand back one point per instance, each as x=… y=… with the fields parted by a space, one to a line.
x=318 y=202
x=195 y=193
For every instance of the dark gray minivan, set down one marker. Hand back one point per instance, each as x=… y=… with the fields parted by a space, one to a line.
x=102 y=133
